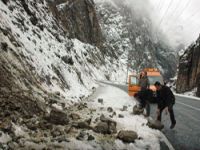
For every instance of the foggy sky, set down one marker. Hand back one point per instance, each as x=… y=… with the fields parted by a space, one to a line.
x=178 y=19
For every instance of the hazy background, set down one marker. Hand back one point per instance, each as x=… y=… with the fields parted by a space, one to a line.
x=178 y=19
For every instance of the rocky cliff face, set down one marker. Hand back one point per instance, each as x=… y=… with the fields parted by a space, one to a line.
x=78 y=19
x=129 y=32
x=189 y=69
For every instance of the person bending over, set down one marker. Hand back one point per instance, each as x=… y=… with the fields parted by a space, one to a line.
x=166 y=100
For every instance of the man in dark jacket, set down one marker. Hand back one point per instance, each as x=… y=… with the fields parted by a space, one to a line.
x=166 y=100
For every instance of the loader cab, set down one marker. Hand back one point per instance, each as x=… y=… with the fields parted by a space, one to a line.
x=133 y=86
x=153 y=75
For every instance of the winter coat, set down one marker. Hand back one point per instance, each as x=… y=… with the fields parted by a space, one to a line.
x=144 y=96
x=165 y=97
x=144 y=83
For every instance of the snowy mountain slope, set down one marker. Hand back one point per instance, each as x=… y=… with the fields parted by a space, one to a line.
x=43 y=58
x=126 y=29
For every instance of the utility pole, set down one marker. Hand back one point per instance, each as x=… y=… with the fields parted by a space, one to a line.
x=127 y=67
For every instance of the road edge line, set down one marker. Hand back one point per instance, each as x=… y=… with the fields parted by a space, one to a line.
x=167 y=142
x=186 y=96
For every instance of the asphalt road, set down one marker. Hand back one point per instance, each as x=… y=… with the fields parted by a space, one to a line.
x=186 y=134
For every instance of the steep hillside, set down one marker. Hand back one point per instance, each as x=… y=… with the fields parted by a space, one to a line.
x=189 y=69
x=38 y=55
x=126 y=29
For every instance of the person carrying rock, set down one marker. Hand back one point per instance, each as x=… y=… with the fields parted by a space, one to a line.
x=166 y=101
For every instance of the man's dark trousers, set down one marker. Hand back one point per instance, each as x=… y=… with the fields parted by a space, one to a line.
x=171 y=112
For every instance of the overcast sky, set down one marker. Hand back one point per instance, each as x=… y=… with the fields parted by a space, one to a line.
x=179 y=19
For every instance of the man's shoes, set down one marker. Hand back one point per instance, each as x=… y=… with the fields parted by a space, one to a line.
x=173 y=125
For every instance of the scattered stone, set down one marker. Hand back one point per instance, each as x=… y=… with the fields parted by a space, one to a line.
x=72 y=130
x=127 y=136
x=6 y=125
x=12 y=145
x=32 y=126
x=110 y=109
x=124 y=108
x=155 y=124
x=61 y=138
x=88 y=121
x=5 y=1
x=4 y=46
x=82 y=125
x=81 y=136
x=114 y=113
x=57 y=93
x=121 y=116
x=81 y=106
x=107 y=120
x=63 y=104
x=106 y=126
x=55 y=133
x=101 y=127
x=96 y=120
x=91 y=138
x=100 y=100
x=52 y=101
x=74 y=116
x=45 y=125
x=92 y=111
x=68 y=60
x=33 y=20
x=36 y=140
x=58 y=117
x=137 y=110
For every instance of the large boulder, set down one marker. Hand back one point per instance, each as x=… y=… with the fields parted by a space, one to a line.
x=58 y=117
x=137 y=110
x=127 y=136
x=155 y=124
x=101 y=127
x=106 y=126
x=83 y=125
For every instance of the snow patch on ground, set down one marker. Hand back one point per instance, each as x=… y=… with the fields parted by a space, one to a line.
x=116 y=98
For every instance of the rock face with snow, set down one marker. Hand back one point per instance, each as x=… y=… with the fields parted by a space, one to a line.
x=189 y=69
x=78 y=19
x=129 y=31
